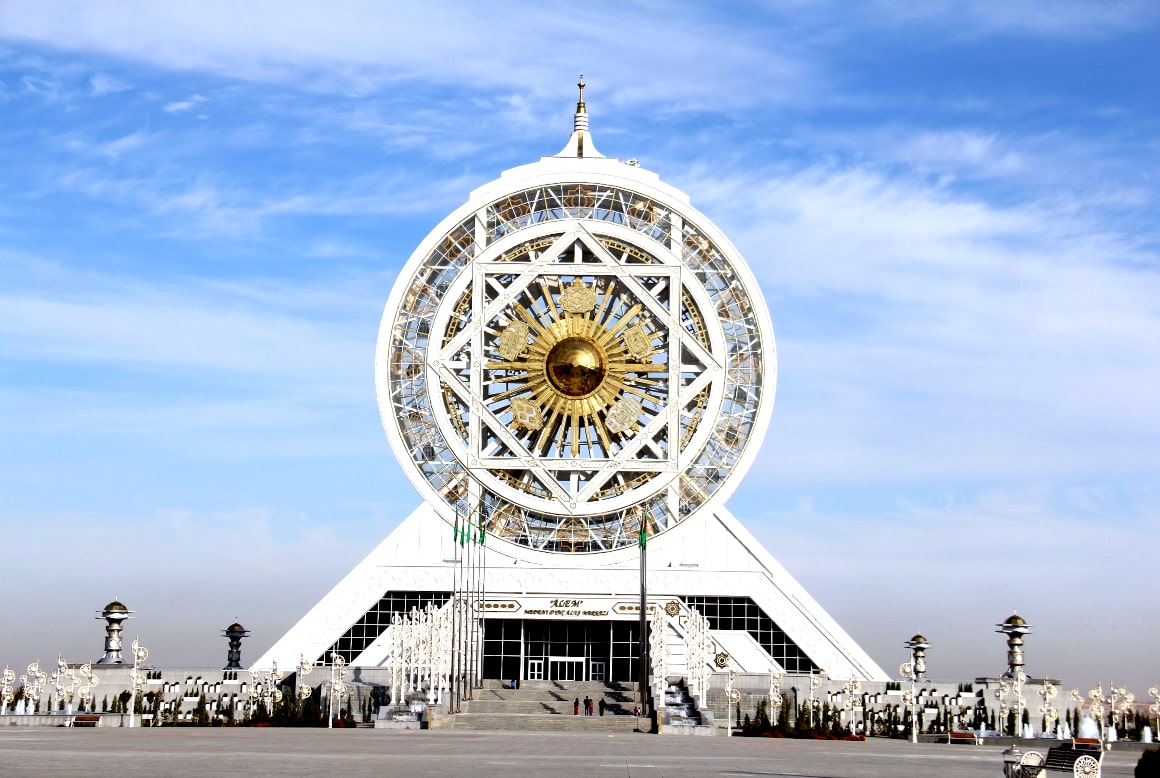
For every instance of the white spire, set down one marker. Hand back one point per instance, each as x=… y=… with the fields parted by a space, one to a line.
x=580 y=144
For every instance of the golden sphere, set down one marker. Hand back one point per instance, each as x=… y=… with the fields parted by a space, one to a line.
x=575 y=367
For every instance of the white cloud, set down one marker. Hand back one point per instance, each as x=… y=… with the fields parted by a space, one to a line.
x=180 y=202
x=932 y=335
x=102 y=84
x=188 y=326
x=1066 y=19
x=181 y=106
x=356 y=47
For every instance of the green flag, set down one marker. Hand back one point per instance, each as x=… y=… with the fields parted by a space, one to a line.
x=643 y=537
x=455 y=532
x=482 y=533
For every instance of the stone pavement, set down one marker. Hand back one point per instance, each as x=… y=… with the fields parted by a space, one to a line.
x=28 y=751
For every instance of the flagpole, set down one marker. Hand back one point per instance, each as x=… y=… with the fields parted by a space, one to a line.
x=473 y=539
x=642 y=674
x=468 y=635
x=465 y=544
x=462 y=617
x=459 y=610
x=454 y=696
x=483 y=595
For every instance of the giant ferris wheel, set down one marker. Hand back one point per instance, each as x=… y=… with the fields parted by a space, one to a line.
x=573 y=360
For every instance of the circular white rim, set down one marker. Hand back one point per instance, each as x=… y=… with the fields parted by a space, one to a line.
x=448 y=437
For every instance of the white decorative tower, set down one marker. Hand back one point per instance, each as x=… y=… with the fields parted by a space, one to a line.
x=573 y=357
x=114 y=614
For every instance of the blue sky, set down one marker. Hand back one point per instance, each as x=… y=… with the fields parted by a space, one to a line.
x=951 y=208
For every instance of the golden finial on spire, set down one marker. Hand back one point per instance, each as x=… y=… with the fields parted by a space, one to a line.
x=580 y=105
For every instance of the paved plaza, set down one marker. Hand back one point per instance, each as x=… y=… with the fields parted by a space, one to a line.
x=364 y=752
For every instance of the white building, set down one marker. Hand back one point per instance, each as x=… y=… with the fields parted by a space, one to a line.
x=574 y=355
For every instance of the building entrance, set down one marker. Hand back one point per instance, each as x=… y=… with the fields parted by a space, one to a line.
x=564 y=668
x=533 y=649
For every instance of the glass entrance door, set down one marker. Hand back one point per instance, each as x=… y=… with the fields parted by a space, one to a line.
x=565 y=668
x=595 y=671
x=535 y=669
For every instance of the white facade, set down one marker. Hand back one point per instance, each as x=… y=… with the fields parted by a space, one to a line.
x=713 y=555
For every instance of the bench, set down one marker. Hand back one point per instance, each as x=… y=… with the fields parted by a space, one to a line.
x=1079 y=757
x=970 y=738
x=86 y=720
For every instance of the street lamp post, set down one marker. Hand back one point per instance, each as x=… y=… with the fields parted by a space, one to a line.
x=337 y=684
x=136 y=677
x=1097 y=704
x=1154 y=708
x=66 y=683
x=812 y=703
x=1046 y=709
x=912 y=671
x=1123 y=701
x=33 y=683
x=6 y=693
x=732 y=697
x=850 y=692
x=305 y=668
x=775 y=678
x=88 y=681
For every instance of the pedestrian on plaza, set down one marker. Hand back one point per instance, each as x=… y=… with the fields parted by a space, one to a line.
x=576 y=707
x=587 y=705
x=602 y=706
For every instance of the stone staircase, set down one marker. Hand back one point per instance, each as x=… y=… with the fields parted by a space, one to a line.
x=539 y=706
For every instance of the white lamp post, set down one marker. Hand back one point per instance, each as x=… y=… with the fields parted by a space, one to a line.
x=6 y=689
x=136 y=678
x=337 y=685
x=912 y=671
x=33 y=683
x=304 y=669
x=1154 y=708
x=1046 y=709
x=813 y=704
x=1097 y=706
x=850 y=692
x=732 y=697
x=775 y=679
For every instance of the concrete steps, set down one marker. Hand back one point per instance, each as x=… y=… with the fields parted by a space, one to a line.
x=522 y=722
x=541 y=706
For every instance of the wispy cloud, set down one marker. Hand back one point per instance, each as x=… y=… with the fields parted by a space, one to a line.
x=180 y=106
x=253 y=328
x=358 y=48
x=1065 y=19
x=957 y=339
x=104 y=84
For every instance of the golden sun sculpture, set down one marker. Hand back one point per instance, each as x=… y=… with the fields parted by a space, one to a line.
x=583 y=377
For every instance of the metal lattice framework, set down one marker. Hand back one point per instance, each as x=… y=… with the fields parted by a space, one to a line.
x=576 y=360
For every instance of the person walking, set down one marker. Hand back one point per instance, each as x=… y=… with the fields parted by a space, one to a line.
x=587 y=705
x=576 y=707
x=602 y=705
